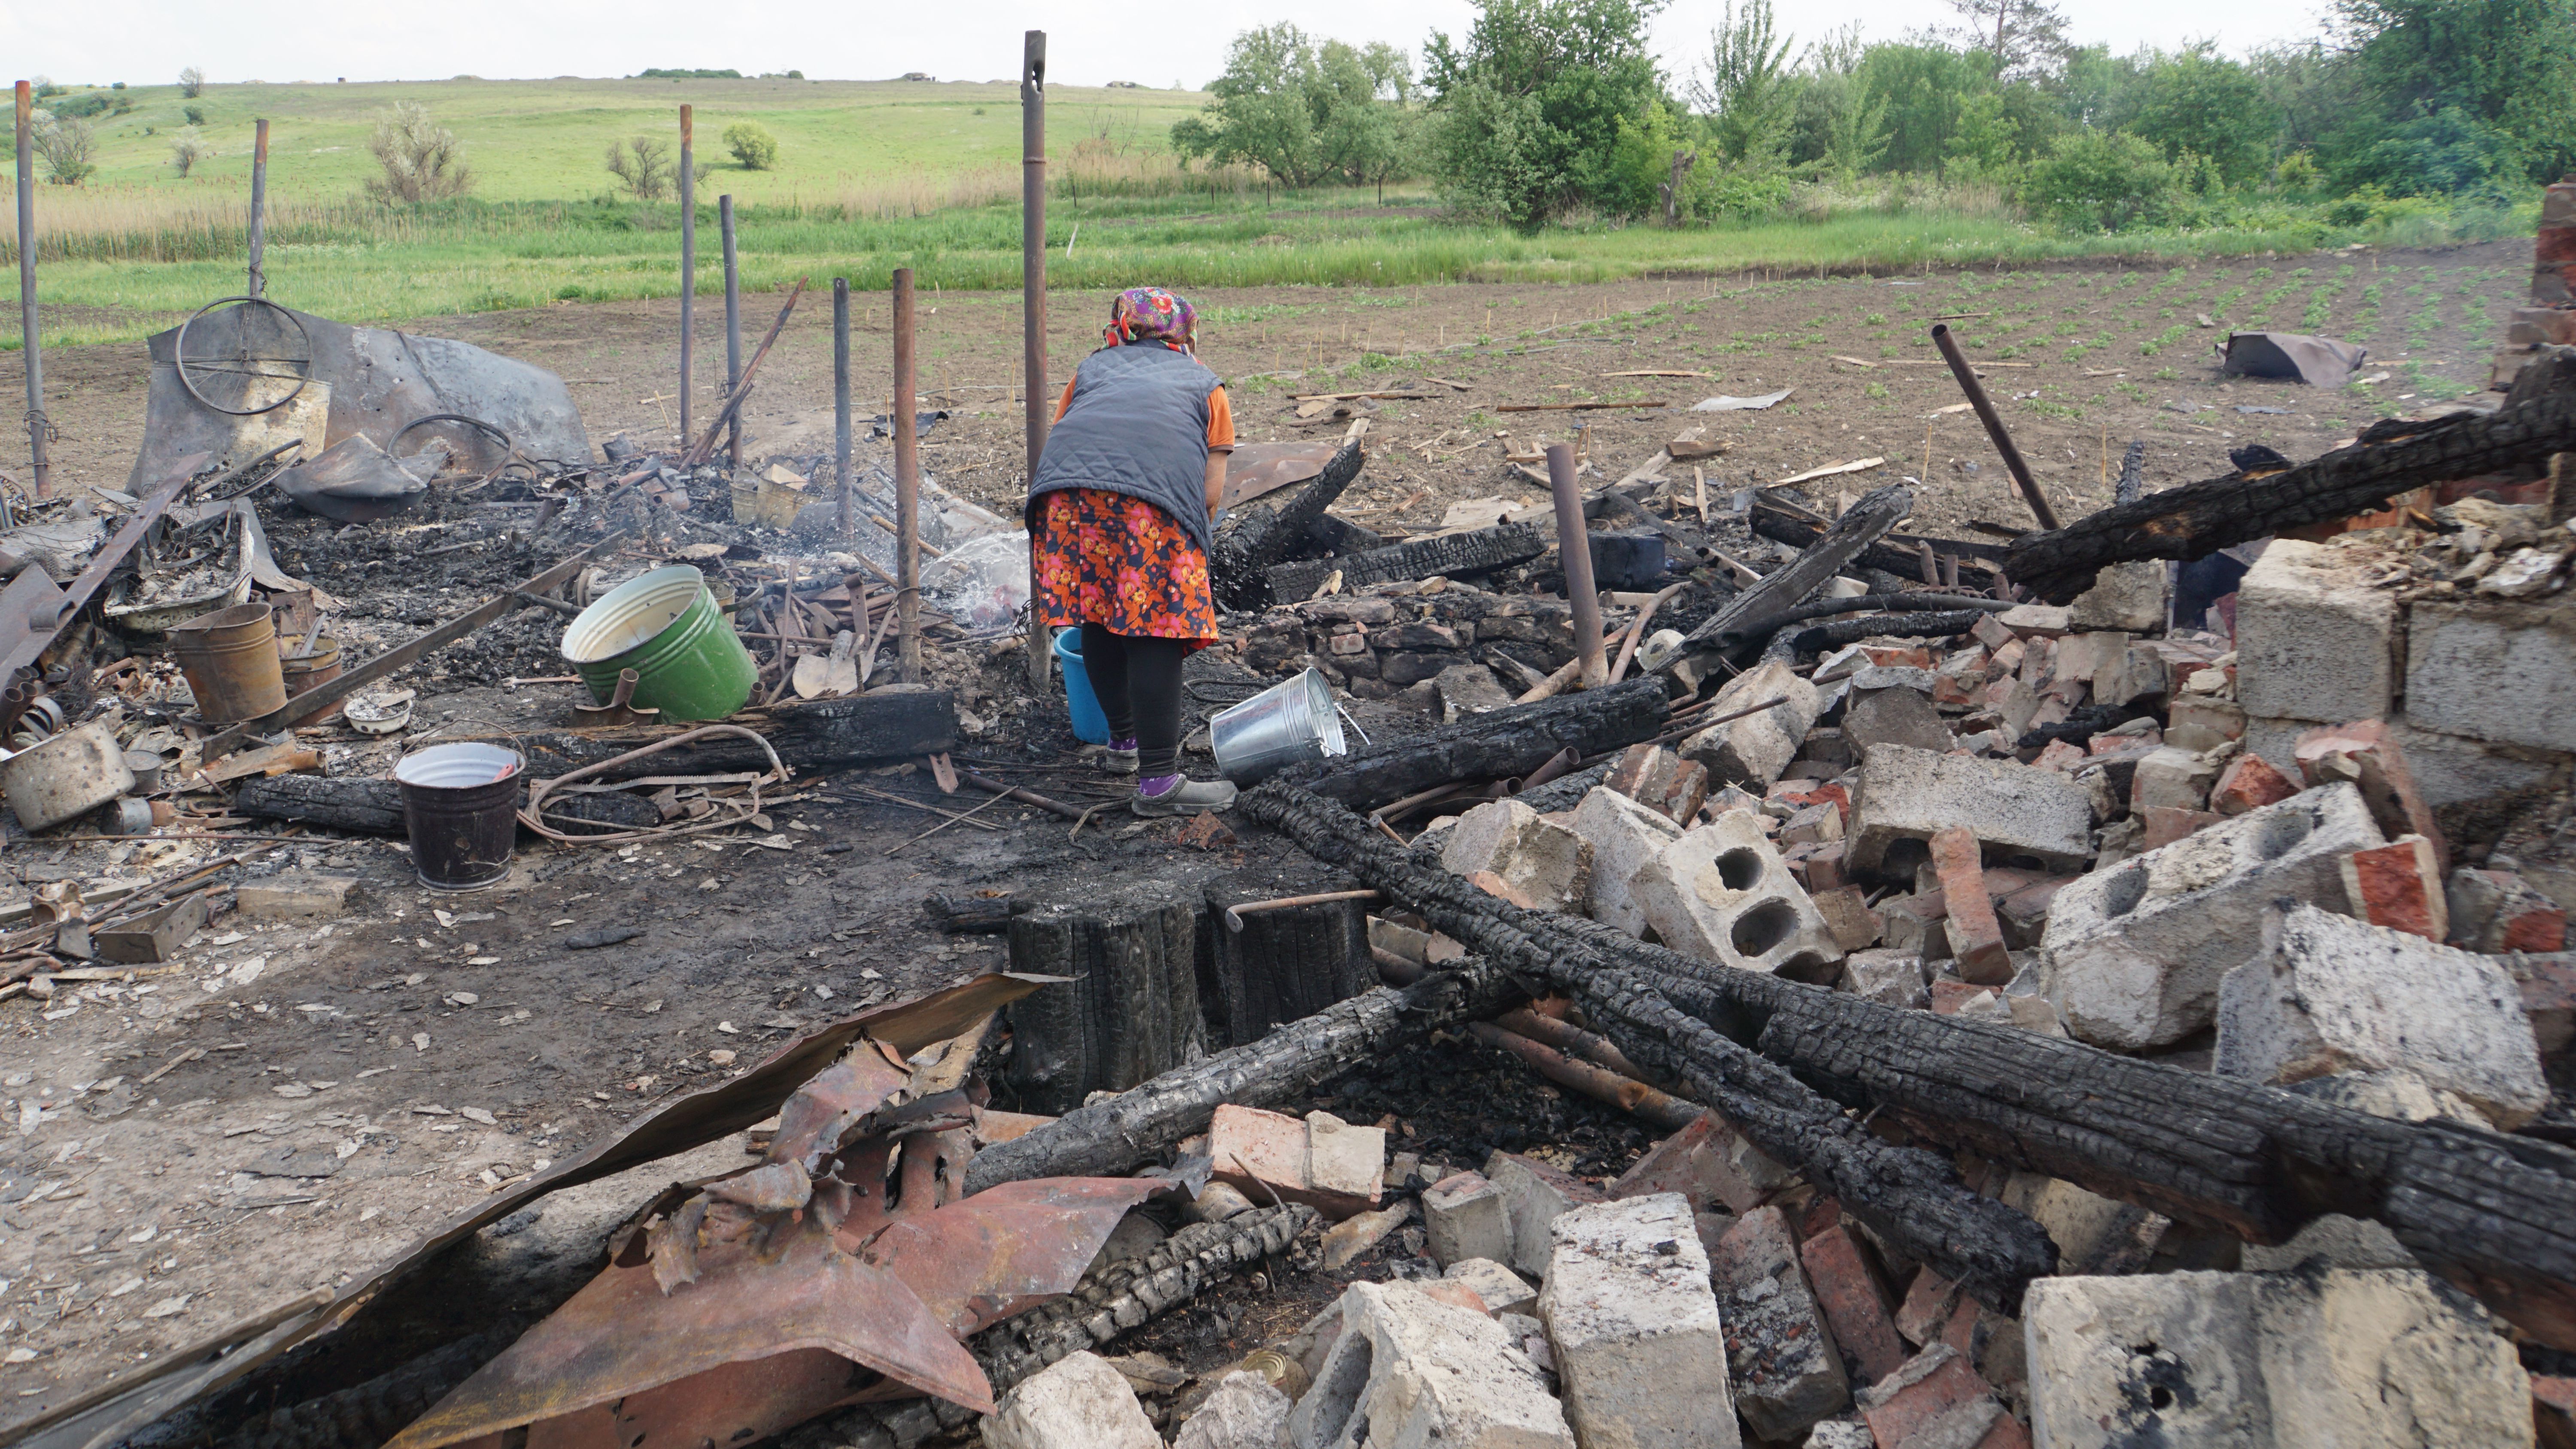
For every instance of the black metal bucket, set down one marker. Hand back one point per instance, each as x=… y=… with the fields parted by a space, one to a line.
x=460 y=805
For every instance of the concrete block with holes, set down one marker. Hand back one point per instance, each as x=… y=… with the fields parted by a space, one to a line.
x=1722 y=893
x=2133 y=955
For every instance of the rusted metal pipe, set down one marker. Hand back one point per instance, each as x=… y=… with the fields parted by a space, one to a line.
x=1574 y=548
x=1565 y=1036
x=1994 y=422
x=1025 y=797
x=1033 y=308
x=259 y=209
x=907 y=485
x=1599 y=1083
x=841 y=406
x=688 y=257
x=32 y=352
x=1234 y=914
x=733 y=328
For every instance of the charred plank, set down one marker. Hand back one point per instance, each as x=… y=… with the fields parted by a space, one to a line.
x=1450 y=555
x=1502 y=744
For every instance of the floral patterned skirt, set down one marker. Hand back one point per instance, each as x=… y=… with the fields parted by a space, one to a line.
x=1122 y=563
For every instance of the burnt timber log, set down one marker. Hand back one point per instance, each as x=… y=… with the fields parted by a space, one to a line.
x=1131 y=1009
x=2495 y=1213
x=375 y=806
x=1790 y=585
x=1287 y=963
x=1268 y=529
x=2201 y=518
x=1155 y=1116
x=1450 y=555
x=813 y=736
x=1896 y=553
x=1499 y=745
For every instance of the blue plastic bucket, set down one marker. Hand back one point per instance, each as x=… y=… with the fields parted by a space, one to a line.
x=1090 y=722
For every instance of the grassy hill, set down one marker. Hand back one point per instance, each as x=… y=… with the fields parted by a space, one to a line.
x=542 y=140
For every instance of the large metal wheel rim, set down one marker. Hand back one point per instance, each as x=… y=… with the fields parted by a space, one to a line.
x=179 y=349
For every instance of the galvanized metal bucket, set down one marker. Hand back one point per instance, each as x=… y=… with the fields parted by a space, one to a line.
x=664 y=625
x=1287 y=724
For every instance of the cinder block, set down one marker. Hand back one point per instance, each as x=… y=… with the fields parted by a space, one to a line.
x=1536 y=858
x=2332 y=994
x=1501 y=1289
x=2128 y=596
x=1905 y=795
x=2398 y=885
x=1887 y=976
x=1722 y=893
x=1639 y=1347
x=1077 y=1402
x=1344 y=1160
x=1463 y=1218
x=293 y=893
x=1711 y=1165
x=1786 y=1371
x=1854 y=1303
x=2496 y=910
x=2133 y=955
x=1976 y=935
x=2502 y=671
x=1754 y=750
x=2329 y=1361
x=1624 y=835
x=1409 y=1370
x=2314 y=639
x=1534 y=1195
x=1895 y=715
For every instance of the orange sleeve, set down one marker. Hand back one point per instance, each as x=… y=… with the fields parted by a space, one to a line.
x=1065 y=401
x=1220 y=422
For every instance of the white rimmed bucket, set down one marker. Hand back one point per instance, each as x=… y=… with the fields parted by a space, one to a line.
x=1289 y=723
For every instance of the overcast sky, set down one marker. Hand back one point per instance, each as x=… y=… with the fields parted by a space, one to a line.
x=1091 y=42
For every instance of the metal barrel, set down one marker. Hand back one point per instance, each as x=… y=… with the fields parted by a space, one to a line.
x=230 y=660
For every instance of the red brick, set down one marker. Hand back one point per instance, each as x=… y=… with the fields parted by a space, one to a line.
x=1898 y=656
x=2151 y=738
x=1709 y=1164
x=2061 y=755
x=2553 y=1411
x=1960 y=1331
x=1990 y=632
x=1855 y=1305
x=1948 y=996
x=1958 y=691
x=2398 y=885
x=2364 y=754
x=1259 y=1153
x=1976 y=936
x=2250 y=784
x=1927 y=1305
x=1821 y=869
x=1819 y=1214
x=1946 y=1386
x=2166 y=824
x=2554 y=245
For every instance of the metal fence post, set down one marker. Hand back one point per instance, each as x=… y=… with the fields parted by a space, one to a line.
x=733 y=329
x=841 y=407
x=907 y=483
x=30 y=349
x=688 y=264
x=259 y=211
x=1033 y=320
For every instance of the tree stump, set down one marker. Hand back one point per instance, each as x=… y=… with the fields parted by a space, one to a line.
x=1130 y=1013
x=1290 y=963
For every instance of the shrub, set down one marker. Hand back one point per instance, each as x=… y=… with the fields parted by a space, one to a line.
x=192 y=83
x=642 y=166
x=68 y=146
x=186 y=151
x=752 y=145
x=422 y=159
x=80 y=107
x=2448 y=153
x=2098 y=182
x=196 y=115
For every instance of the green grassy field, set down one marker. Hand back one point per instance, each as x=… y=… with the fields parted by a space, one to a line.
x=542 y=140
x=879 y=175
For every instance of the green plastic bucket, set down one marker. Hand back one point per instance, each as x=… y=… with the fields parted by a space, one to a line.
x=688 y=662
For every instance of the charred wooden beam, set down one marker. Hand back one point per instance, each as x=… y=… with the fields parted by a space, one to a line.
x=2201 y=518
x=1502 y=744
x=1900 y=554
x=2496 y=1214
x=1268 y=529
x=811 y=737
x=1450 y=555
x=1788 y=586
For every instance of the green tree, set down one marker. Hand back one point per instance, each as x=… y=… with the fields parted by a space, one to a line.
x=192 y=83
x=1365 y=128
x=2508 y=66
x=1530 y=102
x=2025 y=39
x=1305 y=111
x=2102 y=181
x=1745 y=95
x=1924 y=86
x=2199 y=102
x=1984 y=142
x=752 y=145
x=68 y=147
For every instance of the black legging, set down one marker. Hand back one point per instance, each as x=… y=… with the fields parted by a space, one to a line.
x=1138 y=683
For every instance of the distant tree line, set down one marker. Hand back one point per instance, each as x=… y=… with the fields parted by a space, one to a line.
x=1545 y=109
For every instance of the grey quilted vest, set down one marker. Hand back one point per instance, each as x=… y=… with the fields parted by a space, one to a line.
x=1138 y=426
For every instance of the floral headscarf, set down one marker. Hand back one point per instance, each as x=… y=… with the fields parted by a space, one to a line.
x=1150 y=314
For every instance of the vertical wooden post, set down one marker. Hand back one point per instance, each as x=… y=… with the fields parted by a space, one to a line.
x=907 y=484
x=31 y=351
x=688 y=264
x=841 y=407
x=1033 y=314
x=733 y=330
x=259 y=210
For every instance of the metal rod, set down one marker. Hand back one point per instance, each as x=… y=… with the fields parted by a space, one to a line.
x=706 y=444
x=1234 y=914
x=733 y=328
x=259 y=210
x=1574 y=548
x=841 y=405
x=1033 y=309
x=1994 y=422
x=907 y=485
x=688 y=258
x=1025 y=797
x=30 y=350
